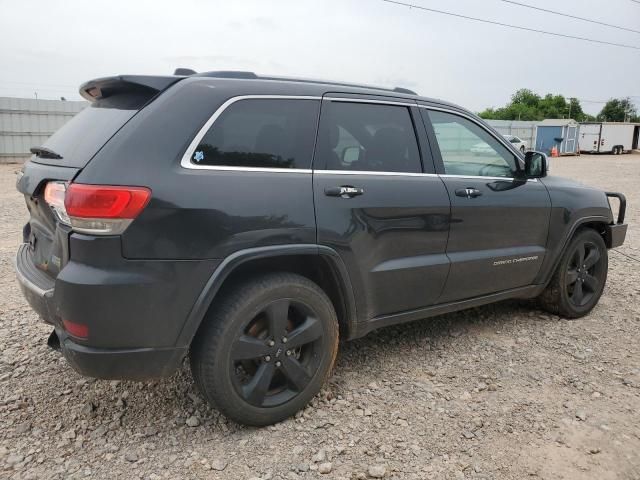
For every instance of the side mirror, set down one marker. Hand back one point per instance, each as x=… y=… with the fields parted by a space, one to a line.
x=536 y=164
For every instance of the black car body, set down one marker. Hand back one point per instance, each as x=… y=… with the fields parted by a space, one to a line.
x=368 y=193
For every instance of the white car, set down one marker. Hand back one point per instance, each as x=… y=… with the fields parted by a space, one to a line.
x=517 y=142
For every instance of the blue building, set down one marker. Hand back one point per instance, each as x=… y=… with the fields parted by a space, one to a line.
x=561 y=133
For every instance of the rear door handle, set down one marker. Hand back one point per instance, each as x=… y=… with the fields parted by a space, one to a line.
x=468 y=192
x=345 y=191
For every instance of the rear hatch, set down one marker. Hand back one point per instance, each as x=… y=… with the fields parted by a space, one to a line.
x=114 y=101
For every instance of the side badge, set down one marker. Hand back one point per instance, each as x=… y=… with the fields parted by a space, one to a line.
x=198 y=156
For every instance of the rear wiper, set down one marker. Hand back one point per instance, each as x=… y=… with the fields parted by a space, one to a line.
x=44 y=152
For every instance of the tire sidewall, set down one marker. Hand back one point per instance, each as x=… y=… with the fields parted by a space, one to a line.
x=220 y=376
x=582 y=236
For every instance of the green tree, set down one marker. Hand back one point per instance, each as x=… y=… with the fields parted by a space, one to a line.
x=528 y=105
x=619 y=110
x=524 y=96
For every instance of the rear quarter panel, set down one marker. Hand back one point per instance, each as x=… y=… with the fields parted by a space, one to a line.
x=197 y=214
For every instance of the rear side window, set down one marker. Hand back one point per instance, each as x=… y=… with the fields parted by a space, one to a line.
x=367 y=137
x=263 y=133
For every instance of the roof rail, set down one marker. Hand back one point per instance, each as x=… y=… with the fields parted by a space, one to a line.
x=404 y=90
x=253 y=76
x=228 y=74
x=184 y=71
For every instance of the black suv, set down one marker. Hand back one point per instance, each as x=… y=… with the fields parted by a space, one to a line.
x=248 y=222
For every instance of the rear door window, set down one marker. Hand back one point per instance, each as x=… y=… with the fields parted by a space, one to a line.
x=262 y=133
x=367 y=137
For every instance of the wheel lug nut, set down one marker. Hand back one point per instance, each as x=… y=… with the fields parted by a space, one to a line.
x=284 y=339
x=288 y=353
x=267 y=358
x=271 y=343
x=278 y=364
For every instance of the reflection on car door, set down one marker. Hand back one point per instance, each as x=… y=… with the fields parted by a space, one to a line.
x=498 y=234
x=387 y=220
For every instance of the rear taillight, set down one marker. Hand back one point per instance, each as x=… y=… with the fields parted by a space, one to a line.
x=96 y=209
x=54 y=194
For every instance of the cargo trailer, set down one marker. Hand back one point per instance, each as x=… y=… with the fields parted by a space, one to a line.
x=608 y=137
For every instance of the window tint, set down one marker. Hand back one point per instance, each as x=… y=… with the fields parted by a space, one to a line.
x=261 y=133
x=371 y=137
x=468 y=149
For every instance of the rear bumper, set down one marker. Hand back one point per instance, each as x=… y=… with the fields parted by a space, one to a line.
x=120 y=364
x=36 y=286
x=133 y=310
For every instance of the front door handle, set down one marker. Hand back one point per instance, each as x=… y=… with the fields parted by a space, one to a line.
x=468 y=192
x=345 y=191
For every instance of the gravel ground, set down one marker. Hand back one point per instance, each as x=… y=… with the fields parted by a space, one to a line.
x=503 y=392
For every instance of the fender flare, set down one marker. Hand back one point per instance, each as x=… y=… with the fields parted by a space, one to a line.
x=233 y=261
x=580 y=221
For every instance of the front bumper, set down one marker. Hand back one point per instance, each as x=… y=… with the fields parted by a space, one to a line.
x=617 y=232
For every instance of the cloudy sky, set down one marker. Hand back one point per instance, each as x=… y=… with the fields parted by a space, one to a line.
x=51 y=46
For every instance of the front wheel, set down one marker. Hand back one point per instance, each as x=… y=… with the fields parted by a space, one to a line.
x=266 y=349
x=580 y=277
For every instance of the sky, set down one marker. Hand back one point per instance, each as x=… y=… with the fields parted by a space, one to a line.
x=50 y=47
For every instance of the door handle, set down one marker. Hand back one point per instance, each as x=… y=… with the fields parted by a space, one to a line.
x=345 y=191
x=468 y=192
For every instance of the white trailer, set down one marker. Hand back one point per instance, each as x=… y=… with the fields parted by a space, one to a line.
x=608 y=137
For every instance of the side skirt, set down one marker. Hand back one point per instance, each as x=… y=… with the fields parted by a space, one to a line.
x=363 y=328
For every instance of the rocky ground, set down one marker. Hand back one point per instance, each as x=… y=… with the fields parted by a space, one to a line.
x=504 y=392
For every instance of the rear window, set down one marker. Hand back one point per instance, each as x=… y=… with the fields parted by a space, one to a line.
x=81 y=137
x=263 y=133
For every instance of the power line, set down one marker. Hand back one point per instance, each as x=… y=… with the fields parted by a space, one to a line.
x=571 y=16
x=492 y=22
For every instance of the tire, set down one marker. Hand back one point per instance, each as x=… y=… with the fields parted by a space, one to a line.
x=574 y=290
x=615 y=150
x=266 y=348
x=522 y=149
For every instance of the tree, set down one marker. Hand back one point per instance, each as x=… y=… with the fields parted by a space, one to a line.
x=528 y=105
x=619 y=110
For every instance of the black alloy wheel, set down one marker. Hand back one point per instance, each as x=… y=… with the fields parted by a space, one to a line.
x=580 y=276
x=276 y=354
x=267 y=346
x=584 y=273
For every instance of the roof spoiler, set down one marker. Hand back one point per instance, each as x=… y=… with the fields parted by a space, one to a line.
x=105 y=87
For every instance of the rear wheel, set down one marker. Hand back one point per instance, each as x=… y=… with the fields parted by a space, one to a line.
x=615 y=151
x=266 y=349
x=580 y=277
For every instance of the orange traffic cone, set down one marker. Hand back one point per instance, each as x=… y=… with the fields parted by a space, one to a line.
x=554 y=151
